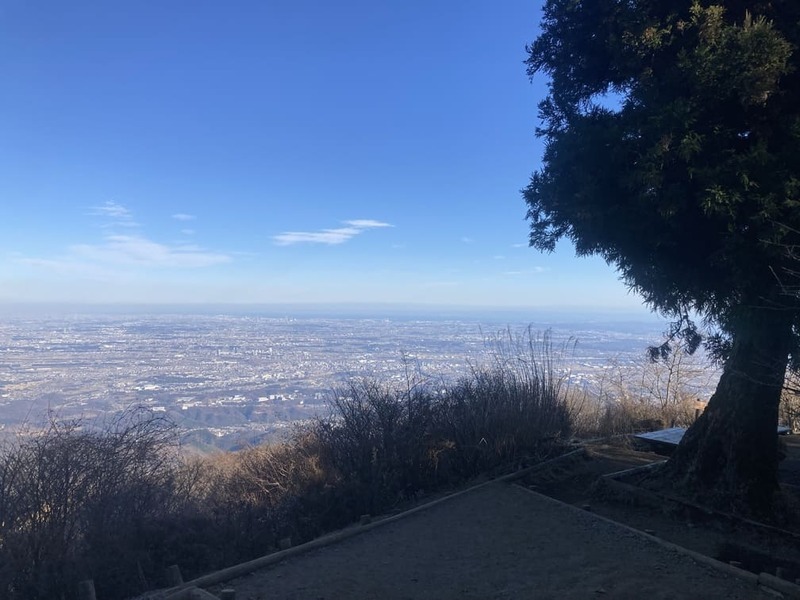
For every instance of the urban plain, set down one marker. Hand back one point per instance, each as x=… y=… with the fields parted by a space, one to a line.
x=232 y=379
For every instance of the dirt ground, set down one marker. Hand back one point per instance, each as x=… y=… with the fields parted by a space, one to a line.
x=755 y=549
x=498 y=541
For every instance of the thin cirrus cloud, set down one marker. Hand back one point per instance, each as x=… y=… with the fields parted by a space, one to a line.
x=329 y=237
x=533 y=271
x=136 y=250
x=117 y=250
x=120 y=216
x=109 y=259
x=111 y=209
x=67 y=266
x=183 y=217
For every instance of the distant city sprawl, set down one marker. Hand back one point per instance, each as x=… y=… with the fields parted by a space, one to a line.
x=228 y=380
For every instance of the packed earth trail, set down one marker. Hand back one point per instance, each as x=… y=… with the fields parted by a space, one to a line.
x=496 y=541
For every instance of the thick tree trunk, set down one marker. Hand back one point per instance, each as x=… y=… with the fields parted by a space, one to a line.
x=729 y=457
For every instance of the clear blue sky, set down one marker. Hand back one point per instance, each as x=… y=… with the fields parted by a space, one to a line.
x=275 y=151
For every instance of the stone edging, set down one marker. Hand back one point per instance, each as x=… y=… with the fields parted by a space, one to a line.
x=612 y=480
x=766 y=580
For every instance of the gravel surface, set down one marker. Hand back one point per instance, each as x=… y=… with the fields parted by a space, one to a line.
x=498 y=541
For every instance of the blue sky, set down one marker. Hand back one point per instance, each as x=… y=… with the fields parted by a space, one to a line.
x=275 y=151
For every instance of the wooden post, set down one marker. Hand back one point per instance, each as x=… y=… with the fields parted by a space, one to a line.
x=86 y=590
x=174 y=576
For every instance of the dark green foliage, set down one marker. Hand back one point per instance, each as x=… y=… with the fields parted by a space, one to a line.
x=689 y=182
x=673 y=151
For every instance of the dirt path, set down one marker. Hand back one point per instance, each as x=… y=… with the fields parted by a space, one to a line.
x=499 y=541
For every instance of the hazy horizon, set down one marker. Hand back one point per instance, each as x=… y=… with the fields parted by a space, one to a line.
x=350 y=309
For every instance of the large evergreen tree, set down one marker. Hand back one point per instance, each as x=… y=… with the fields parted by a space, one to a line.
x=672 y=136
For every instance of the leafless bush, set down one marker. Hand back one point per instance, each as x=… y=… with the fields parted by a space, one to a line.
x=257 y=496
x=73 y=501
x=387 y=444
x=376 y=441
x=501 y=415
x=643 y=395
x=527 y=384
x=789 y=410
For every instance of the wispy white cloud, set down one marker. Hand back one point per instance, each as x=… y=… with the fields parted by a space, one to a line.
x=330 y=237
x=519 y=245
x=118 y=214
x=117 y=251
x=183 y=217
x=68 y=266
x=126 y=223
x=187 y=231
x=533 y=271
x=366 y=223
x=326 y=236
x=112 y=210
x=135 y=250
x=467 y=240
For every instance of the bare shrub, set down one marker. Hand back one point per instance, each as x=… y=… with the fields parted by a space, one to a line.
x=376 y=441
x=527 y=386
x=257 y=496
x=645 y=395
x=498 y=416
x=73 y=503
x=789 y=409
x=387 y=444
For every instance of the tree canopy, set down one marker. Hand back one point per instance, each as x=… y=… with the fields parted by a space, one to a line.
x=673 y=146
x=672 y=136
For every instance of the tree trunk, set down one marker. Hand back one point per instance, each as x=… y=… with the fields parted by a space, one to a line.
x=729 y=457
